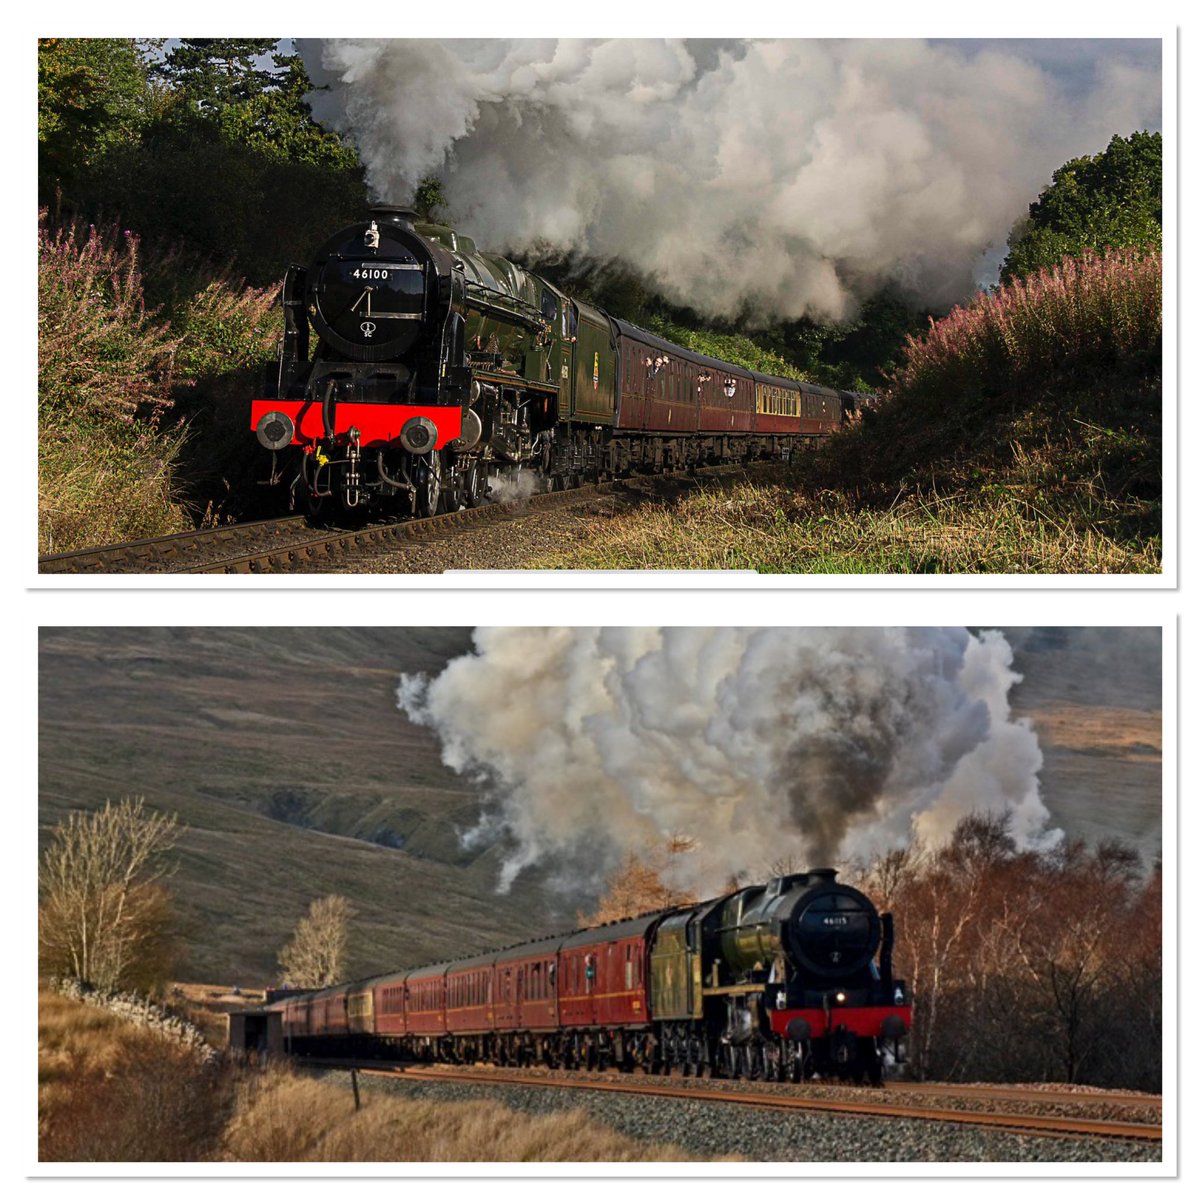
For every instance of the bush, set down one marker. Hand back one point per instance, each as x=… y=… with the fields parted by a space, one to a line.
x=111 y=1092
x=101 y=354
x=1087 y=314
x=146 y=355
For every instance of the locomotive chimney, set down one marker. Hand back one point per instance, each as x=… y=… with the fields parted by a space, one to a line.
x=822 y=874
x=395 y=214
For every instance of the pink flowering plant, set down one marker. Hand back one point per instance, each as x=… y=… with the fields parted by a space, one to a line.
x=1086 y=313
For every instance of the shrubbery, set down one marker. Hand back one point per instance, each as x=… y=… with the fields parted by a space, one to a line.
x=132 y=431
x=1089 y=313
x=101 y=354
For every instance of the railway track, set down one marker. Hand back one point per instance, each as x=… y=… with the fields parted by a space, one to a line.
x=1007 y=1122
x=1040 y=1095
x=292 y=543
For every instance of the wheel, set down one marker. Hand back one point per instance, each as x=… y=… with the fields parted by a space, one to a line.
x=428 y=497
x=477 y=485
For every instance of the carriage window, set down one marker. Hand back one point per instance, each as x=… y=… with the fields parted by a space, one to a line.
x=628 y=967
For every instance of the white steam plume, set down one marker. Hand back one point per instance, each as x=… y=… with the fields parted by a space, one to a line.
x=780 y=177
x=759 y=743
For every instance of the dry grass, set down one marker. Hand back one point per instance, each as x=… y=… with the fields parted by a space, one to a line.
x=104 y=483
x=1120 y=733
x=290 y=1118
x=109 y=1092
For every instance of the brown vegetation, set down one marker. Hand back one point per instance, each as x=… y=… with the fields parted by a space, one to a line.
x=111 y=1092
x=283 y=1117
x=640 y=885
x=104 y=916
x=316 y=955
x=1027 y=966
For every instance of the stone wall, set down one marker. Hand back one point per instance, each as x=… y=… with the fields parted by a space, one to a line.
x=137 y=1010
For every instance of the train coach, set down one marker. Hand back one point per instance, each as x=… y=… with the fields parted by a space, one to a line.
x=415 y=368
x=781 y=981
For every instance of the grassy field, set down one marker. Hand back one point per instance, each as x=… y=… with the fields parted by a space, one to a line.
x=1010 y=522
x=109 y=1092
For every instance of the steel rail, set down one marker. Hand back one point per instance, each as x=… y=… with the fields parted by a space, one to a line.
x=1040 y=1095
x=180 y=553
x=1021 y=1123
x=149 y=553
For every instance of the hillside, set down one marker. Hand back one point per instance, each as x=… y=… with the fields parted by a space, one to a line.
x=283 y=752
x=1095 y=697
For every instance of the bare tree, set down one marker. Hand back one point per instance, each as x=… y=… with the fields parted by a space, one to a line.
x=315 y=957
x=103 y=909
x=640 y=886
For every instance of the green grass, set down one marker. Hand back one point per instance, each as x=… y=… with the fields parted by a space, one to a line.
x=763 y=528
x=1063 y=478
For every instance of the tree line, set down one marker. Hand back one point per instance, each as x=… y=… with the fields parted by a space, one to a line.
x=1027 y=965
x=210 y=143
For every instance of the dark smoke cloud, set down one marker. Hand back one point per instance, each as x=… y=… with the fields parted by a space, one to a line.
x=818 y=744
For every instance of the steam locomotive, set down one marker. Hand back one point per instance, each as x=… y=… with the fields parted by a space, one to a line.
x=414 y=367
x=779 y=982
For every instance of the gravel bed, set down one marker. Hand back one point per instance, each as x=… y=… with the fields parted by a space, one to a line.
x=511 y=543
x=1115 y=1106
x=713 y=1131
